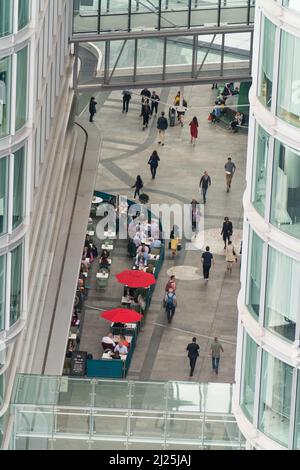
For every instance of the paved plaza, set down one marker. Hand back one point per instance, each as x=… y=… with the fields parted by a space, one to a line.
x=203 y=310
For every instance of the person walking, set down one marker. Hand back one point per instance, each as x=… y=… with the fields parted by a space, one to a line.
x=216 y=348
x=195 y=213
x=126 y=100
x=227 y=230
x=193 y=353
x=138 y=185
x=194 y=130
x=207 y=260
x=229 y=172
x=153 y=162
x=92 y=108
x=171 y=284
x=231 y=257
x=162 y=126
x=205 y=182
x=155 y=99
x=146 y=114
x=146 y=95
x=170 y=303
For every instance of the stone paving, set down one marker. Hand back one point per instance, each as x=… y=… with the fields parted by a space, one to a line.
x=203 y=310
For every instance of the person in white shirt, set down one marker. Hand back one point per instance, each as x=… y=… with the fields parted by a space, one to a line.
x=121 y=348
x=108 y=339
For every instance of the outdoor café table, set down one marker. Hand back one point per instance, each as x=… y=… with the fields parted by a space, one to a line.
x=91 y=233
x=126 y=301
x=110 y=234
x=108 y=356
x=153 y=257
x=97 y=200
x=101 y=275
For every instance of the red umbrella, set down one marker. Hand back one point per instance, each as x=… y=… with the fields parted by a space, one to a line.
x=136 y=278
x=122 y=315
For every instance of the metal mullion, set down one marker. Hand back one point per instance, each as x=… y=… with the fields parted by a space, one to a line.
x=106 y=62
x=248 y=11
x=159 y=15
x=165 y=57
x=293 y=409
x=75 y=68
x=251 y=52
x=129 y=14
x=195 y=54
x=135 y=59
x=222 y=55
x=257 y=387
x=189 y=14
x=99 y=16
x=219 y=13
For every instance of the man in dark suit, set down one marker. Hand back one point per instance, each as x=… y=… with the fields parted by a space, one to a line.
x=193 y=353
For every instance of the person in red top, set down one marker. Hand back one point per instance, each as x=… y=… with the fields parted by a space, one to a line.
x=194 y=130
x=171 y=284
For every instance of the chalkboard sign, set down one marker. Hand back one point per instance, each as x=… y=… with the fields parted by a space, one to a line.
x=78 y=363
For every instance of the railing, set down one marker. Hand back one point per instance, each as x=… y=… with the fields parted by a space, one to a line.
x=132 y=15
x=65 y=413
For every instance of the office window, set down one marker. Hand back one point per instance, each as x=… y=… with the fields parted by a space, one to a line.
x=5 y=17
x=288 y=103
x=16 y=284
x=282 y=294
x=254 y=274
x=2 y=292
x=3 y=194
x=5 y=90
x=22 y=81
x=23 y=17
x=267 y=63
x=275 y=399
x=248 y=376
x=260 y=175
x=18 y=189
x=285 y=203
x=297 y=418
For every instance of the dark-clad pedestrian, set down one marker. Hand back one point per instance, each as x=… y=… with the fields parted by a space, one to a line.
x=216 y=348
x=92 y=108
x=146 y=114
x=138 y=185
x=227 y=230
x=153 y=162
x=195 y=213
x=193 y=353
x=155 y=99
x=207 y=260
x=170 y=303
x=126 y=100
x=146 y=95
x=162 y=126
x=205 y=182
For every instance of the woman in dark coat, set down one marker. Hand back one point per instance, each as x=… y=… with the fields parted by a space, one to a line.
x=138 y=185
x=146 y=114
x=153 y=162
x=92 y=109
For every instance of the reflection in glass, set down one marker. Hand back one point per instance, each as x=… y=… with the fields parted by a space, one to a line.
x=260 y=176
x=248 y=376
x=275 y=398
x=285 y=209
x=2 y=296
x=282 y=295
x=254 y=274
x=267 y=63
x=18 y=189
x=23 y=17
x=288 y=106
x=3 y=194
x=16 y=284
x=21 y=99
x=293 y=4
x=5 y=17
x=5 y=70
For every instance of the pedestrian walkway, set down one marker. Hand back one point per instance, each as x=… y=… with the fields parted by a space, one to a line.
x=203 y=310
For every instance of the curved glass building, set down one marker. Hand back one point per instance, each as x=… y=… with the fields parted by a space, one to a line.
x=267 y=402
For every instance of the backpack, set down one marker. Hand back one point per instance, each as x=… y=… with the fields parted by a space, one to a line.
x=170 y=299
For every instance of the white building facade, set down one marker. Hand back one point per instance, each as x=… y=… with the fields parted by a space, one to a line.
x=35 y=101
x=267 y=400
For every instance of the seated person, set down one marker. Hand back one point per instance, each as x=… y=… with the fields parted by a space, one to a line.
x=104 y=263
x=140 y=261
x=108 y=342
x=143 y=250
x=104 y=254
x=150 y=269
x=237 y=121
x=121 y=348
x=116 y=355
x=155 y=244
x=83 y=269
x=88 y=241
x=124 y=341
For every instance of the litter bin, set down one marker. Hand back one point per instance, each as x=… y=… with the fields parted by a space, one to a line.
x=172 y=116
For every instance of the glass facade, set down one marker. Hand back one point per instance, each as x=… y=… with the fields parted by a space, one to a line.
x=16 y=284
x=2 y=291
x=3 y=194
x=275 y=399
x=267 y=63
x=282 y=294
x=288 y=103
x=285 y=210
x=260 y=170
x=18 y=188
x=5 y=93
x=5 y=17
x=23 y=13
x=248 y=376
x=254 y=274
x=297 y=416
x=22 y=95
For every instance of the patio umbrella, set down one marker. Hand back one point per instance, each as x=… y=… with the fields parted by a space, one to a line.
x=135 y=278
x=122 y=315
